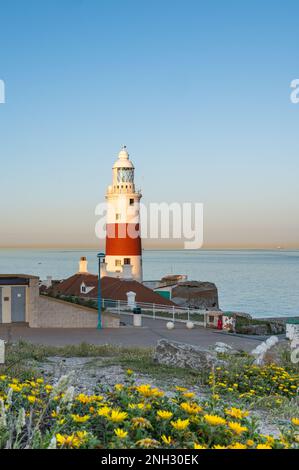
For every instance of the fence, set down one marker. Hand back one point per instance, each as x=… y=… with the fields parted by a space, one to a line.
x=158 y=311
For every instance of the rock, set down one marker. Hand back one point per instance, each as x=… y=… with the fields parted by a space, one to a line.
x=196 y=294
x=224 y=348
x=262 y=349
x=172 y=353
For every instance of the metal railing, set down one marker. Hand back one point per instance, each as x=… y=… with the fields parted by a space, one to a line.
x=158 y=311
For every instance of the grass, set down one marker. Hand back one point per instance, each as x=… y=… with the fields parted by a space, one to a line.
x=22 y=360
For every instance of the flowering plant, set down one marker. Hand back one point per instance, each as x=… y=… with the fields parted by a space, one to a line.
x=34 y=414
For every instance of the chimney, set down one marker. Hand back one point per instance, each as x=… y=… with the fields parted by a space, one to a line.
x=127 y=271
x=48 y=282
x=83 y=265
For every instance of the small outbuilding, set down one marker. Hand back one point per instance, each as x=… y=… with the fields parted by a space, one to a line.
x=19 y=295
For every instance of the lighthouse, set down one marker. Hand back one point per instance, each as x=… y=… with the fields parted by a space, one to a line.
x=123 y=241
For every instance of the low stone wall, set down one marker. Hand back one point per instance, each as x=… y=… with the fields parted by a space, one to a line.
x=54 y=313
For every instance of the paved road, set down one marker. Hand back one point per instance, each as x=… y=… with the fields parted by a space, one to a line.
x=148 y=335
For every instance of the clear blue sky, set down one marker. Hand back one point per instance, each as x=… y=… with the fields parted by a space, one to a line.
x=198 y=90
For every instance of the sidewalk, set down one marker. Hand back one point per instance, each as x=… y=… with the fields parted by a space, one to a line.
x=147 y=336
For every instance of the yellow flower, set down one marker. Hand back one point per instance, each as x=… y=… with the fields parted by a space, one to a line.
x=181 y=389
x=141 y=423
x=80 y=419
x=96 y=398
x=236 y=427
x=63 y=440
x=219 y=447
x=31 y=398
x=164 y=414
x=270 y=439
x=104 y=411
x=263 y=446
x=198 y=446
x=250 y=443
x=166 y=439
x=180 y=424
x=236 y=413
x=147 y=442
x=191 y=408
x=40 y=381
x=120 y=433
x=82 y=435
x=215 y=396
x=295 y=421
x=189 y=394
x=214 y=420
x=15 y=387
x=238 y=445
x=117 y=416
x=148 y=391
x=82 y=398
x=118 y=387
x=129 y=372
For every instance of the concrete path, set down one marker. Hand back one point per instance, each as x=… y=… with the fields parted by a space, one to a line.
x=147 y=336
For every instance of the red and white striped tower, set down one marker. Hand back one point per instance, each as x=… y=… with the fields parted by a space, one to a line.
x=123 y=241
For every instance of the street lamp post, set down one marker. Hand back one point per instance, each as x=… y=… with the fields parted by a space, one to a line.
x=100 y=257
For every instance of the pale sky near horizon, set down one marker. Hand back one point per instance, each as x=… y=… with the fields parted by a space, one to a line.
x=198 y=90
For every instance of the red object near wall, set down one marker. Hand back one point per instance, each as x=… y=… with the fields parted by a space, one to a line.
x=220 y=324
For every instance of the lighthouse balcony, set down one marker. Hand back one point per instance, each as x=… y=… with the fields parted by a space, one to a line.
x=123 y=189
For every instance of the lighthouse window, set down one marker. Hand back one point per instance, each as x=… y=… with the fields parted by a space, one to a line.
x=118 y=262
x=127 y=260
x=131 y=202
x=117 y=216
x=125 y=175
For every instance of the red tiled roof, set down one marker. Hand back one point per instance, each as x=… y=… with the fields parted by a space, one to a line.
x=116 y=289
x=111 y=288
x=72 y=285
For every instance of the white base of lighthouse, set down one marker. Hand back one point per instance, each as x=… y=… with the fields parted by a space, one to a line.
x=119 y=266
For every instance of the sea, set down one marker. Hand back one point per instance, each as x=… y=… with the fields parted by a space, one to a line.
x=263 y=283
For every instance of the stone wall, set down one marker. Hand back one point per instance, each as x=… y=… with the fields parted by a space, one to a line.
x=54 y=313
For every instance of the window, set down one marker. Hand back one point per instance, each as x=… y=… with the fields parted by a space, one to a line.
x=125 y=175
x=131 y=202
x=118 y=262
x=117 y=216
x=127 y=260
x=83 y=289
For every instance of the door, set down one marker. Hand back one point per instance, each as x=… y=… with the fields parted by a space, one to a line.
x=18 y=304
x=0 y=304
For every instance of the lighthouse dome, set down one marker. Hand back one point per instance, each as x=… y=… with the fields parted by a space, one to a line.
x=123 y=159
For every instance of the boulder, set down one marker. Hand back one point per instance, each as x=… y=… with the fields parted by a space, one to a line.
x=224 y=348
x=263 y=349
x=172 y=353
x=196 y=294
